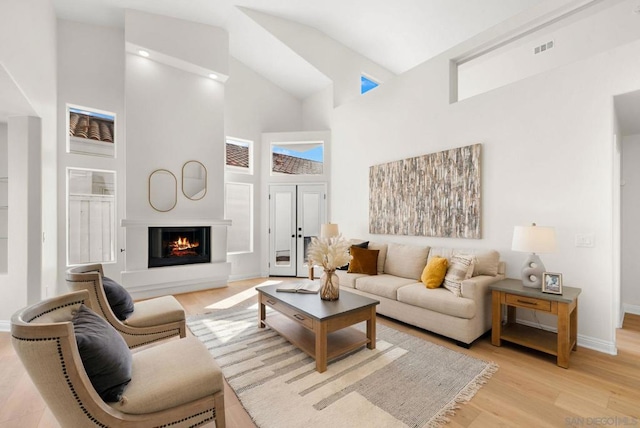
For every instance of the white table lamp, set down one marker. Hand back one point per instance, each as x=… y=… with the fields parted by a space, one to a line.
x=533 y=239
x=329 y=230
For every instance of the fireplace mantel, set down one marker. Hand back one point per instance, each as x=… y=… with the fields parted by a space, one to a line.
x=142 y=282
x=174 y=222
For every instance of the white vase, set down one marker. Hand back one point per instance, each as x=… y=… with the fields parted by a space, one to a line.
x=330 y=289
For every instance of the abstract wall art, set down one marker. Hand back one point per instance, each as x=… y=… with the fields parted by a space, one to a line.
x=437 y=194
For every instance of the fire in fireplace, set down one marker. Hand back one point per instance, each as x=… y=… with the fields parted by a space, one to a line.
x=170 y=246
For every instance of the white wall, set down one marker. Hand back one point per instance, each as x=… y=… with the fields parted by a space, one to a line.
x=172 y=116
x=630 y=290
x=30 y=58
x=317 y=108
x=254 y=105
x=336 y=61
x=546 y=158
x=189 y=42
x=4 y=230
x=23 y=282
x=576 y=37
x=90 y=74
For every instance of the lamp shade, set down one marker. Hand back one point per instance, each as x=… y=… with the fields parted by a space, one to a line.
x=534 y=239
x=328 y=230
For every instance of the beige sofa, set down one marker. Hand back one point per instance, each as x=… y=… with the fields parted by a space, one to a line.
x=405 y=298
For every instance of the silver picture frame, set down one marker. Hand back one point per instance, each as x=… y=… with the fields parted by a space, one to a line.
x=552 y=283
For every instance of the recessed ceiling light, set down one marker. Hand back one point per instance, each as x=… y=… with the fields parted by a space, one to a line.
x=213 y=76
x=143 y=53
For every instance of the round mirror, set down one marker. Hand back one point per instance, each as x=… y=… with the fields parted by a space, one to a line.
x=194 y=180
x=163 y=190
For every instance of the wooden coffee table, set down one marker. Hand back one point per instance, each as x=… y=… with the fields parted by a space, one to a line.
x=318 y=327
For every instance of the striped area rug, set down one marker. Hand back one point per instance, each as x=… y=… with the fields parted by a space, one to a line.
x=404 y=382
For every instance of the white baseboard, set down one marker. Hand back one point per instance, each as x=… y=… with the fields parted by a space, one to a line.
x=245 y=276
x=5 y=326
x=630 y=309
x=584 y=341
x=155 y=290
x=597 y=344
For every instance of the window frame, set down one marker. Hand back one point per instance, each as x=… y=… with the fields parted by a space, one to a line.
x=238 y=169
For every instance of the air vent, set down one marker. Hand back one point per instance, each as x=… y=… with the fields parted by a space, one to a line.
x=543 y=47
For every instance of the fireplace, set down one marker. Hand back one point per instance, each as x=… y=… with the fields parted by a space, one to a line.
x=171 y=246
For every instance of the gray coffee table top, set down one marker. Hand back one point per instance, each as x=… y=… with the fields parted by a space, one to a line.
x=314 y=306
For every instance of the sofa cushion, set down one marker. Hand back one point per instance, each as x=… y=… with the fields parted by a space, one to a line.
x=460 y=268
x=119 y=299
x=156 y=311
x=437 y=300
x=382 y=255
x=486 y=263
x=364 y=244
x=433 y=274
x=349 y=279
x=104 y=354
x=407 y=261
x=364 y=261
x=383 y=285
x=169 y=375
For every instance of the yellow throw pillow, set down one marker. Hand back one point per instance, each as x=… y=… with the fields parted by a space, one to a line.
x=434 y=272
x=363 y=261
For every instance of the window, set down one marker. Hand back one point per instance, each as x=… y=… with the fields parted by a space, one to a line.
x=239 y=209
x=91 y=131
x=367 y=84
x=239 y=155
x=91 y=216
x=297 y=158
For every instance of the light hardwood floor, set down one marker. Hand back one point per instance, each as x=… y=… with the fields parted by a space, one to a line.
x=528 y=390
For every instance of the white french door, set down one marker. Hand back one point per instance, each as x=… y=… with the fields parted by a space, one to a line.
x=295 y=215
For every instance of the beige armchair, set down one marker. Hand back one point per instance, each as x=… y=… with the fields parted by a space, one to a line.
x=176 y=383
x=152 y=320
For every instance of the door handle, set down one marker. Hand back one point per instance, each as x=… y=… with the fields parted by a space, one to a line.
x=293 y=236
x=299 y=236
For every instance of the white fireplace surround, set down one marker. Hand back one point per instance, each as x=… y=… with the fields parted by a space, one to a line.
x=143 y=282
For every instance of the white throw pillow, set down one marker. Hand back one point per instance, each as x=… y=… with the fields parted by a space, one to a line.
x=460 y=268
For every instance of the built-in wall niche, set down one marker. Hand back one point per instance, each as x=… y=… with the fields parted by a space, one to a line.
x=91 y=131
x=297 y=158
x=91 y=216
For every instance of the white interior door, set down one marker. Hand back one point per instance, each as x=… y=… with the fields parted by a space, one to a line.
x=311 y=214
x=282 y=230
x=295 y=215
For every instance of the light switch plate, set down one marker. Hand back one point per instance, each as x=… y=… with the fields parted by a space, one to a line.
x=586 y=240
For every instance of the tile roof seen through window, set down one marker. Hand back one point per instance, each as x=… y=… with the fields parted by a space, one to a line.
x=237 y=155
x=286 y=164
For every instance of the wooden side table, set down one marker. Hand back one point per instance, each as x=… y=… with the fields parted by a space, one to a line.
x=512 y=294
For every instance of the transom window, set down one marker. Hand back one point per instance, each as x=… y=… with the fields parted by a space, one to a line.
x=297 y=158
x=367 y=84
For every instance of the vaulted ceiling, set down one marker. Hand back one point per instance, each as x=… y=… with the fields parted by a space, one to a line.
x=398 y=35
